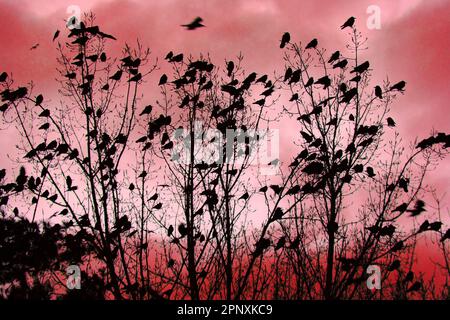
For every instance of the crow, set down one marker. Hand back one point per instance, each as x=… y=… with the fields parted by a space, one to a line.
x=196 y=23
x=230 y=68
x=378 y=92
x=116 y=76
x=341 y=64
x=309 y=82
x=146 y=110
x=3 y=76
x=135 y=78
x=312 y=44
x=163 y=80
x=390 y=122
x=349 y=23
x=55 y=35
x=285 y=39
x=419 y=207
x=361 y=68
x=334 y=57
x=325 y=81
x=398 y=86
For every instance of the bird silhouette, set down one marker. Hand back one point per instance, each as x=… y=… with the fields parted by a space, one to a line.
x=312 y=44
x=35 y=46
x=370 y=172
x=135 y=78
x=398 y=86
x=39 y=100
x=309 y=82
x=3 y=76
x=349 y=23
x=341 y=64
x=163 y=80
x=361 y=68
x=325 y=81
x=230 y=68
x=378 y=92
x=285 y=39
x=419 y=207
x=196 y=23
x=116 y=76
x=55 y=35
x=334 y=56
x=147 y=110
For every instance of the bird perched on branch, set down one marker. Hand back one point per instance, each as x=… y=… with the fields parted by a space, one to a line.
x=349 y=23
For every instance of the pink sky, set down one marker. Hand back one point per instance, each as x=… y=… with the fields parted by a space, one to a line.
x=412 y=44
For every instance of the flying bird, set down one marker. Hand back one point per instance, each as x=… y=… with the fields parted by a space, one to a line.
x=196 y=23
x=312 y=44
x=349 y=23
x=35 y=46
x=285 y=39
x=419 y=207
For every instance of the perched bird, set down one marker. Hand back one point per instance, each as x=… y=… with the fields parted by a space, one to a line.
x=39 y=100
x=398 y=86
x=230 y=68
x=163 y=80
x=361 y=68
x=309 y=82
x=378 y=92
x=116 y=76
x=341 y=64
x=146 y=110
x=325 y=81
x=55 y=35
x=349 y=23
x=135 y=78
x=370 y=172
x=285 y=39
x=196 y=23
x=3 y=76
x=390 y=122
x=312 y=44
x=334 y=57
x=419 y=207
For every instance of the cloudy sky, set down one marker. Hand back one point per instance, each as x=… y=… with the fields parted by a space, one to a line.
x=412 y=45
